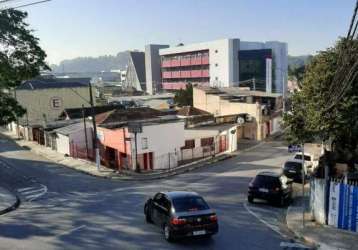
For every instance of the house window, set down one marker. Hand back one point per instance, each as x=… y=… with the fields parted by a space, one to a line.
x=207 y=141
x=189 y=144
x=144 y=143
x=56 y=102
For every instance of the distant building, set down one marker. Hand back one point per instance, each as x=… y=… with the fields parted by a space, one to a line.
x=226 y=63
x=258 y=113
x=45 y=99
x=152 y=67
x=135 y=75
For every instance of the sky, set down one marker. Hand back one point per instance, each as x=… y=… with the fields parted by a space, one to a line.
x=73 y=28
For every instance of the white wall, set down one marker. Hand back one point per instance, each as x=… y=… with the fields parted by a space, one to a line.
x=163 y=139
x=63 y=144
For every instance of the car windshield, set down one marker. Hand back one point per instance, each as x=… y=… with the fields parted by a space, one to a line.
x=187 y=204
x=299 y=157
x=266 y=181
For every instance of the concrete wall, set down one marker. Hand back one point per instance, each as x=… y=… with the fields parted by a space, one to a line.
x=38 y=102
x=115 y=138
x=63 y=144
x=318 y=199
x=78 y=138
x=163 y=140
x=152 y=67
x=209 y=131
x=215 y=105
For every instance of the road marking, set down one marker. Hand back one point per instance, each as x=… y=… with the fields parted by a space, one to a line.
x=71 y=231
x=32 y=193
x=24 y=189
x=293 y=245
x=273 y=228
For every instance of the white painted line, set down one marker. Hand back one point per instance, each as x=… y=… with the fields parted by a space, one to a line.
x=72 y=230
x=273 y=228
x=24 y=189
x=43 y=192
x=32 y=191
x=293 y=245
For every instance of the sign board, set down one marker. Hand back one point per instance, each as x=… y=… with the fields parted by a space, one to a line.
x=135 y=127
x=294 y=148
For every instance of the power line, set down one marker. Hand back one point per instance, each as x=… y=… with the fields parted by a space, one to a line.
x=24 y=5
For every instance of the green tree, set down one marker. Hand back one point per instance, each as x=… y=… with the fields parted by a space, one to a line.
x=319 y=111
x=184 y=97
x=21 y=58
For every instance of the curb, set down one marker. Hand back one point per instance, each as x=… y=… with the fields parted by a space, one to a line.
x=13 y=207
x=298 y=235
x=183 y=169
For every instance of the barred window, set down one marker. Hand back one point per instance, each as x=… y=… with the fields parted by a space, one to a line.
x=207 y=141
x=189 y=144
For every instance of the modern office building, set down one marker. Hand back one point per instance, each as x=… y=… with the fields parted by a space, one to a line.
x=152 y=67
x=226 y=63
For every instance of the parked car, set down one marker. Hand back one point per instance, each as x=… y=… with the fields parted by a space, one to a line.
x=293 y=170
x=181 y=214
x=273 y=187
x=311 y=162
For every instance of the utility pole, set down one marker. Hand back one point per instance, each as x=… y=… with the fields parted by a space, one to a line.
x=303 y=184
x=85 y=128
x=95 y=139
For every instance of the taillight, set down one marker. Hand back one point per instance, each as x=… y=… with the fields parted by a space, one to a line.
x=213 y=218
x=177 y=221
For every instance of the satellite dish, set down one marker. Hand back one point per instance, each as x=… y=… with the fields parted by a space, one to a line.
x=240 y=120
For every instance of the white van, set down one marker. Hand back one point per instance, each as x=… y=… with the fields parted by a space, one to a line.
x=311 y=162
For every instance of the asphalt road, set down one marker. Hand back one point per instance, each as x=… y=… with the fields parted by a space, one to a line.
x=64 y=209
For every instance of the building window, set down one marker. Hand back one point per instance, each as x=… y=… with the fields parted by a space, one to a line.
x=207 y=141
x=216 y=78
x=216 y=64
x=216 y=51
x=144 y=143
x=189 y=144
x=56 y=102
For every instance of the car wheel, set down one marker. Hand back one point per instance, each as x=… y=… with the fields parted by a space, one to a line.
x=167 y=233
x=250 y=199
x=148 y=218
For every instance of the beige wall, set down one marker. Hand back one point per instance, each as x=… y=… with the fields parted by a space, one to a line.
x=38 y=102
x=219 y=107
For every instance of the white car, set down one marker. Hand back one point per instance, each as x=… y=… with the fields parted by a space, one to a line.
x=311 y=162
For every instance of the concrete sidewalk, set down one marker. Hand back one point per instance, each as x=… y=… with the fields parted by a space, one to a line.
x=324 y=237
x=88 y=167
x=8 y=201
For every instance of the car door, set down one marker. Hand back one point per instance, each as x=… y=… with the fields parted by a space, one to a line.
x=156 y=209
x=163 y=210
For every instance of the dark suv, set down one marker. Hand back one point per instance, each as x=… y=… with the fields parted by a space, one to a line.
x=293 y=170
x=272 y=187
x=181 y=214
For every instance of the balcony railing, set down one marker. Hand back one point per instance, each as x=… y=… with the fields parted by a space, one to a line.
x=199 y=60
x=186 y=74
x=173 y=85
